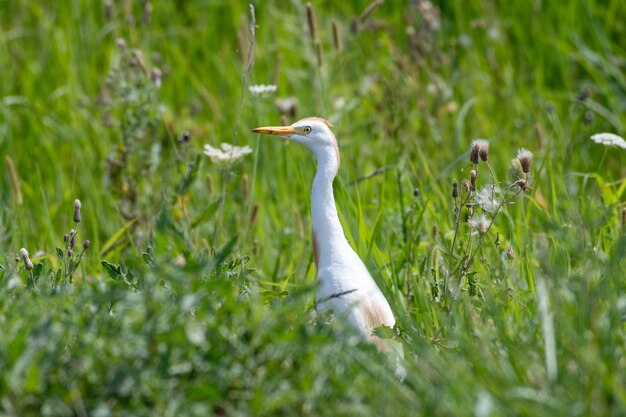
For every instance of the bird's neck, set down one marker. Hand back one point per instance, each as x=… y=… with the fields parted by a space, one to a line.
x=328 y=236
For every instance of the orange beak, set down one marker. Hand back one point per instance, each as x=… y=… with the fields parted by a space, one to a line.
x=276 y=130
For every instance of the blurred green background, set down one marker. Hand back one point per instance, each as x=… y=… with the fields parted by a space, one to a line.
x=407 y=87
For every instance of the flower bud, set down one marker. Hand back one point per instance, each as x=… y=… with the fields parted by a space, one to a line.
x=455 y=189
x=466 y=185
x=77 y=211
x=27 y=262
x=86 y=244
x=72 y=238
x=473 y=175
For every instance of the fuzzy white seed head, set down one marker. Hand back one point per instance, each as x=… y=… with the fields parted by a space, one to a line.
x=488 y=198
x=525 y=157
x=480 y=147
x=480 y=224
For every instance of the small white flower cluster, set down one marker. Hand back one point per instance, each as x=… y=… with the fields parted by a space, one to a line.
x=262 y=89
x=609 y=139
x=228 y=154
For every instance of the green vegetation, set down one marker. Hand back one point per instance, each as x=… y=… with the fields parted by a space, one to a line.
x=195 y=294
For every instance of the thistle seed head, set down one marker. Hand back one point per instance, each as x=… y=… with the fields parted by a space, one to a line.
x=474 y=153
x=480 y=224
x=525 y=157
x=480 y=147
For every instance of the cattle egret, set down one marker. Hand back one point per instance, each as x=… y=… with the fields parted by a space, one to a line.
x=345 y=285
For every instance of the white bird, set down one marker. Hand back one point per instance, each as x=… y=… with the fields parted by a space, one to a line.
x=345 y=285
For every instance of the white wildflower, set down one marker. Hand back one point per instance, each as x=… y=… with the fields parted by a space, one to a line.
x=262 y=89
x=228 y=154
x=487 y=198
x=480 y=224
x=609 y=139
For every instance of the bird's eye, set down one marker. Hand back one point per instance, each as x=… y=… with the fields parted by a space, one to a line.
x=306 y=130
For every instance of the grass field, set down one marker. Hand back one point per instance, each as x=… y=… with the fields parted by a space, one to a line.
x=195 y=293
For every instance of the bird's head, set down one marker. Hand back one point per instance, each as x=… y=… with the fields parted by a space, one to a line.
x=312 y=132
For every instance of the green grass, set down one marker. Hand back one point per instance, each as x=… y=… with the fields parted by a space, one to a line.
x=211 y=310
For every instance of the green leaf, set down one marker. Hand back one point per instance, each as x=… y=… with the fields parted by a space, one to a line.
x=207 y=213
x=37 y=270
x=114 y=271
x=60 y=253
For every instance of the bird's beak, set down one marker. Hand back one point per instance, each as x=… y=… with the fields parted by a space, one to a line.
x=276 y=130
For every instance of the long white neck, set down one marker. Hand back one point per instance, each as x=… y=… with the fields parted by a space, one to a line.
x=328 y=237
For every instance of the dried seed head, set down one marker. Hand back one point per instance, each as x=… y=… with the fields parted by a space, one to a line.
x=369 y=10
x=26 y=259
x=474 y=153
x=86 y=244
x=319 y=53
x=253 y=214
x=473 y=179
x=480 y=147
x=337 y=39
x=466 y=185
x=509 y=252
x=480 y=224
x=455 y=189
x=77 y=211
x=525 y=157
x=312 y=21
